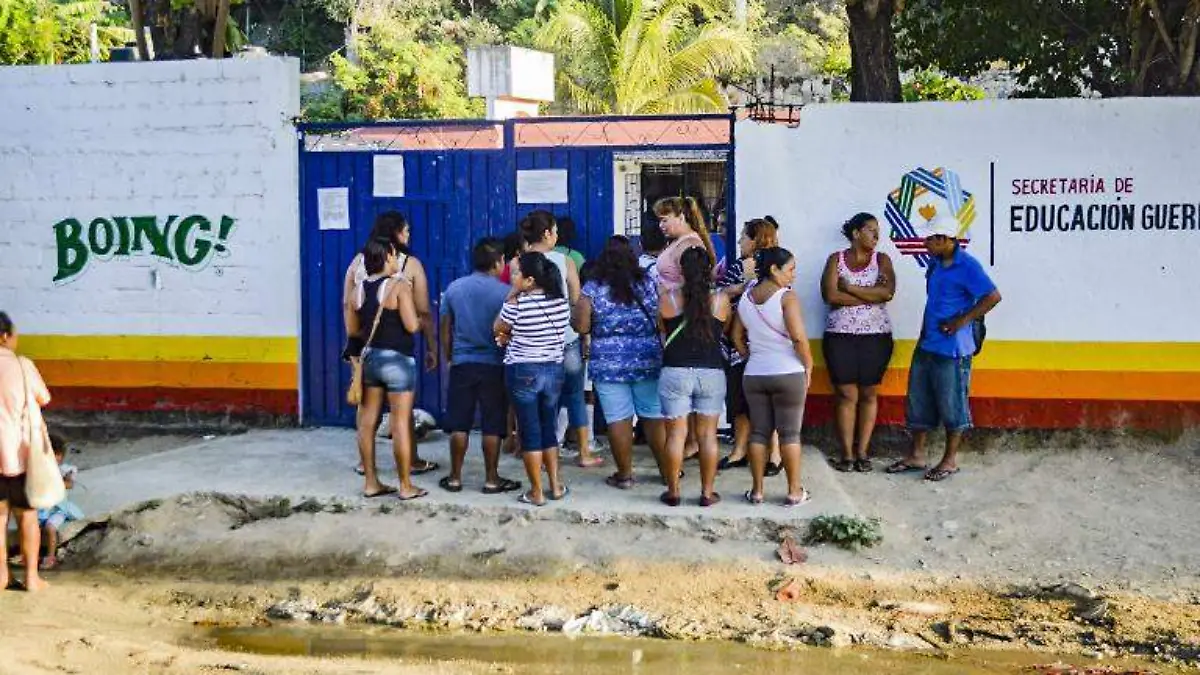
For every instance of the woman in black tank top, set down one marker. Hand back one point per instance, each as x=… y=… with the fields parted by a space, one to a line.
x=386 y=318
x=692 y=381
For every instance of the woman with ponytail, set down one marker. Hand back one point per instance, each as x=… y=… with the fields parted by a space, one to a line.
x=532 y=326
x=779 y=370
x=692 y=381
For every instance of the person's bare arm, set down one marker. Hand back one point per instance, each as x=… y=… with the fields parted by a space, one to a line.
x=420 y=284
x=349 y=310
x=572 y=282
x=883 y=291
x=447 y=335
x=581 y=315
x=738 y=336
x=981 y=308
x=830 y=291
x=794 y=319
x=405 y=301
x=720 y=307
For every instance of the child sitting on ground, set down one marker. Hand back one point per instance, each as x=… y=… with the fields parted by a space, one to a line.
x=51 y=520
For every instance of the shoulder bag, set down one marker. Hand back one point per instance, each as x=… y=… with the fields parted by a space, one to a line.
x=44 y=487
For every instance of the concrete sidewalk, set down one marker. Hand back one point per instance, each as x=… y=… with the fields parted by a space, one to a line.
x=297 y=463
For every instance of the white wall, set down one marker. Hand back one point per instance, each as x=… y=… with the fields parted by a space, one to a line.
x=1068 y=286
x=207 y=138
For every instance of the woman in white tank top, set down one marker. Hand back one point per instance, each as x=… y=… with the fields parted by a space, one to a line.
x=857 y=285
x=778 y=371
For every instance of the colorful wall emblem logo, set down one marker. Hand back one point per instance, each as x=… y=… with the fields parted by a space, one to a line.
x=926 y=193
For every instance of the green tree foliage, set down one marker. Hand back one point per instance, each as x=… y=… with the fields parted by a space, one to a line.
x=808 y=41
x=645 y=56
x=46 y=31
x=1059 y=47
x=930 y=85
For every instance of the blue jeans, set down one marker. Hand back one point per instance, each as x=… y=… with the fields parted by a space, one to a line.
x=572 y=389
x=534 y=390
x=938 y=388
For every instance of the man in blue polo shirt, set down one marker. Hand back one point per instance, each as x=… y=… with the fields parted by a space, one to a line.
x=959 y=292
x=469 y=309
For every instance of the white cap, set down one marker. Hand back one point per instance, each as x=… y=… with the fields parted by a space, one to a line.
x=946 y=226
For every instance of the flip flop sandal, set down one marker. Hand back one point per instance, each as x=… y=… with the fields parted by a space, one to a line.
x=711 y=500
x=15 y=585
x=773 y=469
x=566 y=491
x=449 y=486
x=387 y=490
x=904 y=467
x=505 y=485
x=668 y=499
x=360 y=470
x=939 y=475
x=620 y=483
x=524 y=499
x=591 y=463
x=424 y=468
x=751 y=498
x=804 y=498
x=864 y=466
x=844 y=465
x=727 y=463
x=418 y=495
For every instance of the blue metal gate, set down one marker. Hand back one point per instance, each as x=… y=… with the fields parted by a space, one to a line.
x=460 y=185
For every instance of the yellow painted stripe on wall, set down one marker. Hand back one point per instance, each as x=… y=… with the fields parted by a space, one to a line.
x=1146 y=357
x=170 y=374
x=174 y=348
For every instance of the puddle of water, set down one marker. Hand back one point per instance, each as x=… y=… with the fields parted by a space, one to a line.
x=551 y=654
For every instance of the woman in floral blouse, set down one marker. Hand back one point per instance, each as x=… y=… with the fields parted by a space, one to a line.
x=617 y=306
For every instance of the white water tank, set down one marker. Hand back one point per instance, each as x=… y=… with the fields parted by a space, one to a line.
x=514 y=80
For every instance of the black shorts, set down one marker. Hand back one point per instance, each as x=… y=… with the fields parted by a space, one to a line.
x=477 y=385
x=12 y=490
x=735 y=397
x=857 y=359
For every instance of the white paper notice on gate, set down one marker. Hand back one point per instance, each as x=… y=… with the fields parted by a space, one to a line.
x=333 y=208
x=542 y=186
x=388 y=175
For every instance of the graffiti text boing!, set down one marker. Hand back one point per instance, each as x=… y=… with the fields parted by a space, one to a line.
x=189 y=241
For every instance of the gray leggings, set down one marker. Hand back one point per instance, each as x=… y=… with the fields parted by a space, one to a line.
x=776 y=404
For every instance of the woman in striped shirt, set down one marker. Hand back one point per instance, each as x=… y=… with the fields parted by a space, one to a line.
x=532 y=326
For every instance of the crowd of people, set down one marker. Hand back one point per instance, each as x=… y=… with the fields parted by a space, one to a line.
x=671 y=338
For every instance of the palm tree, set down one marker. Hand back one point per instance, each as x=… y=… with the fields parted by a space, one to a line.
x=641 y=57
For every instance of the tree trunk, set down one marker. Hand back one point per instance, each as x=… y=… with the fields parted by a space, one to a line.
x=1165 y=53
x=874 y=73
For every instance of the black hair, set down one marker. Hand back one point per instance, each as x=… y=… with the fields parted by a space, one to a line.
x=618 y=268
x=766 y=258
x=535 y=225
x=652 y=237
x=376 y=252
x=857 y=222
x=513 y=245
x=6 y=324
x=543 y=272
x=487 y=252
x=389 y=225
x=58 y=443
x=697 y=291
x=566 y=230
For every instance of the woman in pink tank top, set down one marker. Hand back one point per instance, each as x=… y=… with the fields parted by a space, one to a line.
x=857 y=285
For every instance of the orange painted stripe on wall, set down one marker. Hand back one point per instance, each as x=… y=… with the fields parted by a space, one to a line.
x=1050 y=384
x=174 y=374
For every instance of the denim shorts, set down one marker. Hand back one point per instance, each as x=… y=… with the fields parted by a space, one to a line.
x=683 y=391
x=572 y=392
x=476 y=386
x=390 y=370
x=534 y=390
x=622 y=400
x=938 y=387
